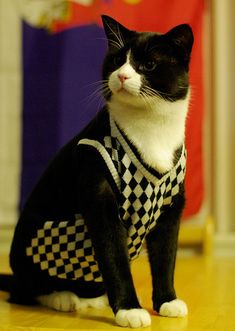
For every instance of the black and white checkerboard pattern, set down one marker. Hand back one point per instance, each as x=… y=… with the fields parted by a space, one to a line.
x=65 y=249
x=142 y=200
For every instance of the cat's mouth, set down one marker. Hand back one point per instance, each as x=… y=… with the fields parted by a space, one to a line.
x=125 y=91
x=122 y=89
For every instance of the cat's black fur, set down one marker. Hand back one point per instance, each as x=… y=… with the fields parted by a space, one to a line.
x=78 y=181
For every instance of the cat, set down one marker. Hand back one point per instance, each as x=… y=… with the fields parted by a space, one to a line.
x=117 y=184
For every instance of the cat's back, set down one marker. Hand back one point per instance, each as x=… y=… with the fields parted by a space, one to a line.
x=57 y=187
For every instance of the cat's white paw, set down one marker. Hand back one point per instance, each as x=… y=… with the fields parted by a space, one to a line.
x=68 y=301
x=61 y=301
x=174 y=308
x=134 y=318
x=98 y=303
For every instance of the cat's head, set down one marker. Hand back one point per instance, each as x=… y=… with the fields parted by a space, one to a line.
x=142 y=66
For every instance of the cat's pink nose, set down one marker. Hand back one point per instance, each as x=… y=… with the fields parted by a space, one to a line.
x=122 y=77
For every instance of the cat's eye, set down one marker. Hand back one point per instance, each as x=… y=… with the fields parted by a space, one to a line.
x=149 y=66
x=118 y=60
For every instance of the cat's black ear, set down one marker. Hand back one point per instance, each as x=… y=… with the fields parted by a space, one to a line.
x=115 y=32
x=182 y=36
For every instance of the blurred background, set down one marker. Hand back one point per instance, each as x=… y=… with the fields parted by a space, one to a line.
x=51 y=54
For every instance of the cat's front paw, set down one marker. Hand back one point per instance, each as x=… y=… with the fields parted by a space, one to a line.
x=174 y=308
x=97 y=303
x=62 y=301
x=134 y=318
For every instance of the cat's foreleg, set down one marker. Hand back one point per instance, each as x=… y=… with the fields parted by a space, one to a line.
x=110 y=244
x=162 y=248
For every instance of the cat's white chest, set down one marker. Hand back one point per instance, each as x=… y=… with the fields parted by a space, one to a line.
x=156 y=150
x=155 y=132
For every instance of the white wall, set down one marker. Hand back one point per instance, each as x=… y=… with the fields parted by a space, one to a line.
x=10 y=112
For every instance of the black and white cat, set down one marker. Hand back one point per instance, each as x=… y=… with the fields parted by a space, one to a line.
x=118 y=183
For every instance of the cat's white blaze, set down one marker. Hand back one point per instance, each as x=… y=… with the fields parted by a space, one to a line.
x=131 y=85
x=155 y=126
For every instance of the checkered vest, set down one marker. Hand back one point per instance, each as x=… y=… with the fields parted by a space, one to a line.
x=65 y=249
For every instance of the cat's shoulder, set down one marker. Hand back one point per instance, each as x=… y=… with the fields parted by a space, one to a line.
x=98 y=127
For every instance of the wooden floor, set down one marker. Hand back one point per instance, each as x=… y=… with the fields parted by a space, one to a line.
x=207 y=285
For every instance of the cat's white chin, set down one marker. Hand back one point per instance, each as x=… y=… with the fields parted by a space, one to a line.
x=124 y=98
x=123 y=93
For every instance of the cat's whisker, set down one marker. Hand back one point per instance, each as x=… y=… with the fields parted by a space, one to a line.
x=147 y=100
x=97 y=93
x=120 y=35
x=105 y=90
x=119 y=38
x=115 y=44
x=100 y=101
x=98 y=82
x=162 y=94
x=152 y=92
x=182 y=86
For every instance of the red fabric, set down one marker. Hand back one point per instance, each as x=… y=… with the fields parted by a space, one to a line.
x=162 y=15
